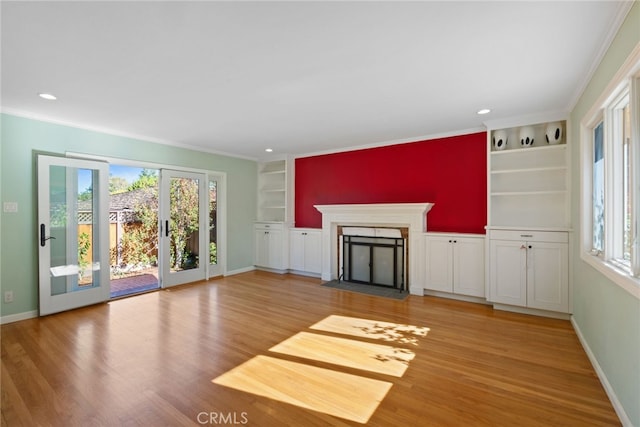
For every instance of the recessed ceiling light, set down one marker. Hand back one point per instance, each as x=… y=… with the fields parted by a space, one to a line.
x=47 y=96
x=484 y=111
x=268 y=150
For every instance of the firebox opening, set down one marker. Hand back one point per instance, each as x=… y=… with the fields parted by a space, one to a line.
x=374 y=256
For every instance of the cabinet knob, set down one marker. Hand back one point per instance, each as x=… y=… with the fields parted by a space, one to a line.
x=529 y=246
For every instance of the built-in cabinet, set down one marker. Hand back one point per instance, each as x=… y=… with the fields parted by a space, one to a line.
x=530 y=269
x=528 y=230
x=305 y=250
x=270 y=249
x=274 y=214
x=455 y=264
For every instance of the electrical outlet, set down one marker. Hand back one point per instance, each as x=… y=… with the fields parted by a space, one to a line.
x=8 y=296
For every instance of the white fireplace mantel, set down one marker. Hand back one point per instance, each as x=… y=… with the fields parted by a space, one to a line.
x=411 y=215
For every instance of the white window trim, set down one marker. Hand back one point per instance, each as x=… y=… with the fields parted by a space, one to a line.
x=627 y=77
x=634 y=154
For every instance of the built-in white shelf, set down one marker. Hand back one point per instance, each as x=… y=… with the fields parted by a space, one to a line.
x=528 y=186
x=528 y=193
x=274 y=194
x=530 y=170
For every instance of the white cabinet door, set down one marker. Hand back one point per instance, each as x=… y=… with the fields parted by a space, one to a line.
x=508 y=270
x=262 y=248
x=269 y=246
x=305 y=251
x=530 y=269
x=276 y=259
x=468 y=266
x=297 y=252
x=439 y=275
x=313 y=252
x=547 y=276
x=455 y=264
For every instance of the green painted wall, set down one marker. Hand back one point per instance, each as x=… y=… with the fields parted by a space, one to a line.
x=607 y=315
x=20 y=138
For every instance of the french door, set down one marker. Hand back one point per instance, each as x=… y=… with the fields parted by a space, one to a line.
x=184 y=248
x=73 y=234
x=73 y=231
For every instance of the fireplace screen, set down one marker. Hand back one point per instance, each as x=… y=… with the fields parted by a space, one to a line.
x=374 y=260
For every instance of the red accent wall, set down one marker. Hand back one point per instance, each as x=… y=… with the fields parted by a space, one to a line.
x=450 y=172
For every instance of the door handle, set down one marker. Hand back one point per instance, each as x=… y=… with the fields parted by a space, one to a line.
x=43 y=239
x=166 y=228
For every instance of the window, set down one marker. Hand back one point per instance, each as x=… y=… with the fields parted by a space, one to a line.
x=598 y=189
x=626 y=186
x=610 y=144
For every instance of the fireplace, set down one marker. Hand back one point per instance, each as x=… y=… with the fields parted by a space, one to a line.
x=373 y=256
x=412 y=216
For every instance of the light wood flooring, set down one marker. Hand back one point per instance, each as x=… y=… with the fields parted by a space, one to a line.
x=263 y=349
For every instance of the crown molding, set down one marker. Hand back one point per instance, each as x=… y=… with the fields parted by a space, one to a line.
x=108 y=131
x=393 y=142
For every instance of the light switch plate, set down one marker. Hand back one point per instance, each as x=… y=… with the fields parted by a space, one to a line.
x=10 y=207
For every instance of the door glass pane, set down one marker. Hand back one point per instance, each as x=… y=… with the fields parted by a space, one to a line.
x=213 y=222
x=598 y=188
x=72 y=234
x=184 y=224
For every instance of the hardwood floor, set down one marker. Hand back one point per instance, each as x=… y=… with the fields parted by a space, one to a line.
x=262 y=349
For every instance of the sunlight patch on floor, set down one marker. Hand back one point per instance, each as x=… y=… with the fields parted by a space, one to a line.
x=348 y=396
x=340 y=394
x=372 y=329
x=383 y=359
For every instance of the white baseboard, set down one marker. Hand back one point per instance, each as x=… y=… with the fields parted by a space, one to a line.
x=272 y=270
x=617 y=406
x=305 y=273
x=531 y=311
x=239 y=270
x=448 y=295
x=19 y=316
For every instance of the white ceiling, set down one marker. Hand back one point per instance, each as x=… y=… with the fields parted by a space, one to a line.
x=298 y=77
